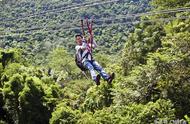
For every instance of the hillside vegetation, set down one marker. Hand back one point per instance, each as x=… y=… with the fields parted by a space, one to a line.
x=40 y=83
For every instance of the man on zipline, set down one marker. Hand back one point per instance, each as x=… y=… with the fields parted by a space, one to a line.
x=85 y=60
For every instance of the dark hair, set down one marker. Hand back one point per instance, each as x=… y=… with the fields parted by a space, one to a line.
x=78 y=35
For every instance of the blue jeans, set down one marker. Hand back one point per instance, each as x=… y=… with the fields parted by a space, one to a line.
x=92 y=66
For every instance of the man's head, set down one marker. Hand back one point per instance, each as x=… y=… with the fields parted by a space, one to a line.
x=78 y=38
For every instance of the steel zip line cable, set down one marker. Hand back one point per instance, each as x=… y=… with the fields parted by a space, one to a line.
x=75 y=22
x=50 y=10
x=145 y=21
x=87 y=4
x=113 y=24
x=149 y=13
x=84 y=5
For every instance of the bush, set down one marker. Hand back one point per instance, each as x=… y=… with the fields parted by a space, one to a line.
x=63 y=114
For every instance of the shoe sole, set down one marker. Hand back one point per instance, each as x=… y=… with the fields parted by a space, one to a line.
x=98 y=80
x=111 y=78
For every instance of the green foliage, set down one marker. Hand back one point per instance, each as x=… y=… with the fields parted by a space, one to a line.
x=187 y=118
x=2 y=122
x=10 y=55
x=63 y=64
x=1 y=105
x=87 y=118
x=104 y=60
x=146 y=38
x=165 y=75
x=26 y=100
x=63 y=114
x=26 y=93
x=75 y=92
x=156 y=66
x=152 y=70
x=134 y=113
x=175 y=71
x=54 y=32
x=160 y=4
x=97 y=98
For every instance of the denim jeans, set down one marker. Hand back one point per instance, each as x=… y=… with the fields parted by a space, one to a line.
x=92 y=66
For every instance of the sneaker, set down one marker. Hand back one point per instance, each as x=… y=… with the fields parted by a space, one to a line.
x=112 y=76
x=97 y=80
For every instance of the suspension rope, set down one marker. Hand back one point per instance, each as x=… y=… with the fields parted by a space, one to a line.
x=75 y=22
x=114 y=24
x=74 y=7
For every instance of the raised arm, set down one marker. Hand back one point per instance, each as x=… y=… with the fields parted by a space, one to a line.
x=93 y=45
x=82 y=47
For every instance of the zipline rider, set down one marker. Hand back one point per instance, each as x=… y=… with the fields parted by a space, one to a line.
x=84 y=60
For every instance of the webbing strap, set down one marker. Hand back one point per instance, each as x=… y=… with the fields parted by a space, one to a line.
x=83 y=54
x=89 y=26
x=91 y=35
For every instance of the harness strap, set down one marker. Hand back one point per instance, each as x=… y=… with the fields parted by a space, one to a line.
x=91 y=35
x=89 y=26
x=83 y=54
